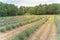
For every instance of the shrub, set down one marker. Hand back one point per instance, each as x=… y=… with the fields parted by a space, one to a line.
x=21 y=24
x=17 y=25
x=2 y=29
x=21 y=36
x=28 y=32
x=14 y=26
x=8 y=27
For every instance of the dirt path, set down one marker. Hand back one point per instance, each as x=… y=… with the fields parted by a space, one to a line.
x=53 y=33
x=5 y=36
x=38 y=32
x=45 y=33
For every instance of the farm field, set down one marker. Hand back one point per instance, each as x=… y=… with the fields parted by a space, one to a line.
x=29 y=20
x=32 y=27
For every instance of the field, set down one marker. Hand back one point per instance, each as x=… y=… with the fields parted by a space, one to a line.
x=31 y=27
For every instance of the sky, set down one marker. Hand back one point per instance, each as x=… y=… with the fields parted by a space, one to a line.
x=29 y=2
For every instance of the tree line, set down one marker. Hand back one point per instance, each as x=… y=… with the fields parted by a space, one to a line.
x=45 y=9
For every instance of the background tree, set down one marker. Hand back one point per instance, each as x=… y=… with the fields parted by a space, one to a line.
x=12 y=10
x=21 y=10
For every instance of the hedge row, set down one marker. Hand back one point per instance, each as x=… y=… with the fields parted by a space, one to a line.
x=12 y=24
x=27 y=32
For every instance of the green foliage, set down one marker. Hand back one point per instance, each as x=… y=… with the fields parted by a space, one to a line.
x=21 y=10
x=14 y=26
x=44 y=9
x=28 y=31
x=57 y=22
x=21 y=36
x=9 y=23
x=8 y=27
x=12 y=10
x=2 y=29
x=7 y=9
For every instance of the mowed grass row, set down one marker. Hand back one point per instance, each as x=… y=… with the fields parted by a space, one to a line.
x=28 y=31
x=8 y=23
x=57 y=22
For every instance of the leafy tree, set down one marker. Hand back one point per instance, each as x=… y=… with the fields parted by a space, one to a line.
x=8 y=9
x=21 y=11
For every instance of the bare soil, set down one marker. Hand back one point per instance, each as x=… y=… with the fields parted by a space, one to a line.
x=53 y=33
x=45 y=33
